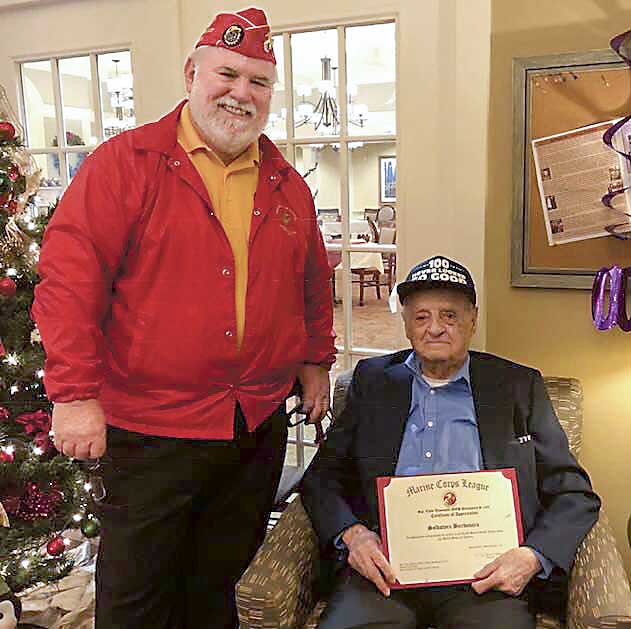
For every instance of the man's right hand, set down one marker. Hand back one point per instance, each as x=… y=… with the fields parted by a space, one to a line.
x=79 y=429
x=365 y=555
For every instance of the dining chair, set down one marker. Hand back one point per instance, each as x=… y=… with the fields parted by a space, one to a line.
x=370 y=213
x=386 y=216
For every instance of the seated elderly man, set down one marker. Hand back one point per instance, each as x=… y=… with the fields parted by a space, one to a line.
x=440 y=408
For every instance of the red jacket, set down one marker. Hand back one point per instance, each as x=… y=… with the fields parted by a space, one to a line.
x=136 y=305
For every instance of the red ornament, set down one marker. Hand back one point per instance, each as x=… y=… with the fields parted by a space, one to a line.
x=13 y=173
x=7 y=287
x=4 y=414
x=56 y=546
x=7 y=130
x=6 y=457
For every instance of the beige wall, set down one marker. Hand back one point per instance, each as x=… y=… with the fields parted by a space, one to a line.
x=149 y=27
x=442 y=100
x=552 y=329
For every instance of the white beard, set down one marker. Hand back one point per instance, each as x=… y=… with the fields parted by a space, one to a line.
x=225 y=133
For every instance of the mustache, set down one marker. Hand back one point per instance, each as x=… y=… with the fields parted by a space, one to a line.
x=233 y=102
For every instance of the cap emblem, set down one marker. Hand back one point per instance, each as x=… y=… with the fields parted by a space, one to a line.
x=233 y=35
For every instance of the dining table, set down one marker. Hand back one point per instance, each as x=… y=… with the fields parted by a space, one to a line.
x=334 y=228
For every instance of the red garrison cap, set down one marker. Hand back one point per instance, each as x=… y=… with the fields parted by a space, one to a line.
x=246 y=32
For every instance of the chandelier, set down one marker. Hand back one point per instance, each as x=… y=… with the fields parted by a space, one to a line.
x=324 y=115
x=121 y=92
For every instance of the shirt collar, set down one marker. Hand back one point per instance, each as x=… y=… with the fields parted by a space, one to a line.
x=191 y=141
x=413 y=364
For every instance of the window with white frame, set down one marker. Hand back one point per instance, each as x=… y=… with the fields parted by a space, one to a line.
x=333 y=115
x=69 y=105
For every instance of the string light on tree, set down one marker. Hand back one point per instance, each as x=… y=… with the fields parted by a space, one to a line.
x=40 y=489
x=12 y=360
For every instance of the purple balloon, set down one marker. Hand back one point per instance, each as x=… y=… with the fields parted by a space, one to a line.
x=601 y=320
x=623 y=320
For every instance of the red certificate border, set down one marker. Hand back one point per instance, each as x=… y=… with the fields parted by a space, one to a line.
x=383 y=481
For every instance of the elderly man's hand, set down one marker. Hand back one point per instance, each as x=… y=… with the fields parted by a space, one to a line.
x=79 y=428
x=365 y=555
x=315 y=391
x=509 y=573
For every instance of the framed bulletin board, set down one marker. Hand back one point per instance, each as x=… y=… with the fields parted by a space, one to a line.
x=559 y=97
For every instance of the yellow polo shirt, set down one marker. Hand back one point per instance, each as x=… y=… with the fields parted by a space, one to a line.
x=231 y=190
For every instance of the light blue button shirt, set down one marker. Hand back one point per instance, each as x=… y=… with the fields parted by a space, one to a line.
x=441 y=434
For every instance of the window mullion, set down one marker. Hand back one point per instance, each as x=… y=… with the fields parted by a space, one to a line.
x=347 y=293
x=59 y=121
x=22 y=107
x=96 y=98
x=289 y=98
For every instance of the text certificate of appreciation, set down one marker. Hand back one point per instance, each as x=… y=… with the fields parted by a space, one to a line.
x=440 y=529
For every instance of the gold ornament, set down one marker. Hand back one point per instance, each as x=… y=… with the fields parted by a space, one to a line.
x=35 y=336
x=4 y=518
x=20 y=156
x=15 y=236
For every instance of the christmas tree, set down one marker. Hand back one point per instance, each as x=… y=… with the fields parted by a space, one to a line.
x=42 y=493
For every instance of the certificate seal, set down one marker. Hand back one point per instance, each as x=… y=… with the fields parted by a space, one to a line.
x=450 y=499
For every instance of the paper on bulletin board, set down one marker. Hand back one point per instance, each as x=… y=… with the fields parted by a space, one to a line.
x=575 y=169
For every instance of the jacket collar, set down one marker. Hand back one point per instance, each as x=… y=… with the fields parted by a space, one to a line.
x=492 y=399
x=399 y=390
x=161 y=136
x=494 y=402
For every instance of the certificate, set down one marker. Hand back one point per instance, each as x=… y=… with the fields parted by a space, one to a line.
x=440 y=529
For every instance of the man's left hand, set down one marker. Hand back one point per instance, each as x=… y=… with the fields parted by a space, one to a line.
x=315 y=391
x=509 y=573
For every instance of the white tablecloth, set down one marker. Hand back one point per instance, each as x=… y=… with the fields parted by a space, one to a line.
x=364 y=260
x=334 y=228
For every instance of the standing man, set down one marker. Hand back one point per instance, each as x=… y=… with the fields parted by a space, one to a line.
x=433 y=409
x=185 y=287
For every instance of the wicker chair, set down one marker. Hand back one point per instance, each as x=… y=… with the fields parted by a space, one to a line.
x=277 y=590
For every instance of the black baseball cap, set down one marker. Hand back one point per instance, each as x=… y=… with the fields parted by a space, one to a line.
x=437 y=272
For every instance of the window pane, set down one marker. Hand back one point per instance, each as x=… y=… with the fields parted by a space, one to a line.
x=50 y=181
x=50 y=176
x=371 y=69
x=75 y=76
x=372 y=181
x=315 y=64
x=276 y=128
x=373 y=274
x=39 y=103
x=291 y=457
x=117 y=92
x=320 y=165
x=74 y=161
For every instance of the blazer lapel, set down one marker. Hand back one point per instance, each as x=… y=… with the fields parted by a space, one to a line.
x=399 y=388
x=494 y=410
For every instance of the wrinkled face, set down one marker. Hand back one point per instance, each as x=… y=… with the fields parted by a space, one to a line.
x=439 y=324
x=229 y=97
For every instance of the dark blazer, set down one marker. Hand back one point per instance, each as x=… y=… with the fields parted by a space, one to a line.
x=557 y=502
